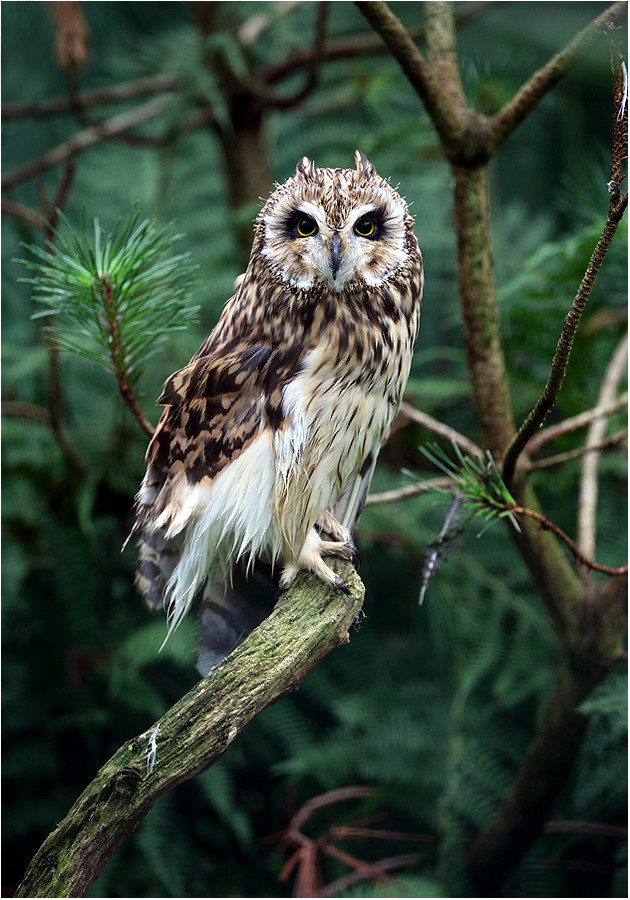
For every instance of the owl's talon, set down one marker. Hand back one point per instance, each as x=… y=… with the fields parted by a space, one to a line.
x=340 y=583
x=355 y=559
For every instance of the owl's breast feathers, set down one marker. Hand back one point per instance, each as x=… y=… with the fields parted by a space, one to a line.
x=282 y=409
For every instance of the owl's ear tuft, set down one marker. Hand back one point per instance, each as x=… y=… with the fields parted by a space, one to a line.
x=365 y=169
x=305 y=169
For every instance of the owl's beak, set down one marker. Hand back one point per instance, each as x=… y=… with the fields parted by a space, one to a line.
x=335 y=254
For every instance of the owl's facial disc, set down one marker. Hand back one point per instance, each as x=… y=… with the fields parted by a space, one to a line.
x=366 y=245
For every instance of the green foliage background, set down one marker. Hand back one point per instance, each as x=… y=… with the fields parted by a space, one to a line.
x=432 y=705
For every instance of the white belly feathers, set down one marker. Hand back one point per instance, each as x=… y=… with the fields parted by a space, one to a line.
x=266 y=502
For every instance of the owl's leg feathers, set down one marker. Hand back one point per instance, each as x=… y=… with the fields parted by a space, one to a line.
x=329 y=525
x=310 y=558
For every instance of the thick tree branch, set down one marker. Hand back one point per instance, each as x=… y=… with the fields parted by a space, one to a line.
x=308 y=621
x=480 y=311
x=449 y=122
x=588 y=617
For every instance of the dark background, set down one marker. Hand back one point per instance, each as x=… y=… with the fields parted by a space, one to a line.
x=433 y=705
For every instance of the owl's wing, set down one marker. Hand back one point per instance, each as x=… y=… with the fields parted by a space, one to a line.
x=352 y=499
x=215 y=408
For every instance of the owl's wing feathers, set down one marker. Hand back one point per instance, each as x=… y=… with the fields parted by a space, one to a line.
x=349 y=506
x=216 y=406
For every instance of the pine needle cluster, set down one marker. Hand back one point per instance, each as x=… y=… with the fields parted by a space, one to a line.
x=114 y=298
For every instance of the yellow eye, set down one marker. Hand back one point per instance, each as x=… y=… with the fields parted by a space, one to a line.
x=305 y=227
x=365 y=227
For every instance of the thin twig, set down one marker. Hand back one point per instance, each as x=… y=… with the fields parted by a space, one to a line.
x=22 y=410
x=251 y=29
x=427 y=421
x=118 y=362
x=408 y=491
x=548 y=461
x=567 y=426
x=545 y=79
x=562 y=354
x=589 y=482
x=616 y=209
x=403 y=860
x=548 y=525
x=86 y=138
x=55 y=392
x=118 y=93
x=20 y=211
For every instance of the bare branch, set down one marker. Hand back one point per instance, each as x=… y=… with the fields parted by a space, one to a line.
x=581 y=557
x=352 y=46
x=87 y=138
x=249 y=31
x=542 y=81
x=20 y=211
x=408 y=491
x=574 y=424
x=270 y=98
x=23 y=410
x=385 y=865
x=118 y=93
x=589 y=486
x=440 y=428
x=612 y=441
x=450 y=121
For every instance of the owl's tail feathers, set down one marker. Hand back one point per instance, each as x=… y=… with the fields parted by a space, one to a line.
x=157 y=559
x=230 y=613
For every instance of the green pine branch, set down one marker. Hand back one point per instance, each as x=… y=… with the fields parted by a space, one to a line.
x=482 y=492
x=114 y=297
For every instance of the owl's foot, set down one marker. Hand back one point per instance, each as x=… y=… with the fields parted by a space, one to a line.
x=345 y=549
x=311 y=558
x=330 y=526
x=348 y=550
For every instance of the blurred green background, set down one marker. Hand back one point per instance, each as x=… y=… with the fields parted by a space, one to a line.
x=432 y=705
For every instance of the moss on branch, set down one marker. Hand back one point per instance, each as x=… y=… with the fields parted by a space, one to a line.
x=309 y=620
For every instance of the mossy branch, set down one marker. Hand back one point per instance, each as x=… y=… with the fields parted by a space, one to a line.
x=309 y=620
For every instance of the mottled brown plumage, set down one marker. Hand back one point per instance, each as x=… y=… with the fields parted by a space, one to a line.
x=278 y=418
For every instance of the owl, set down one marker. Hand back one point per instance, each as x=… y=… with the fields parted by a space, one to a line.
x=269 y=436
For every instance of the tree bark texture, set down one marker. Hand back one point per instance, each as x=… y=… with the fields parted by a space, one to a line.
x=309 y=620
x=588 y=615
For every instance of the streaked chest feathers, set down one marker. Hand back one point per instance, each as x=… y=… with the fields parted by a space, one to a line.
x=268 y=440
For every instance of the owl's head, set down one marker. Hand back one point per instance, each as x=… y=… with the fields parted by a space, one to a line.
x=334 y=228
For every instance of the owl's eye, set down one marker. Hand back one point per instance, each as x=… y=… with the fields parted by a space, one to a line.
x=365 y=227
x=305 y=226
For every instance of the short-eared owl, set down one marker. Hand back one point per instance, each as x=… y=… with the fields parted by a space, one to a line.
x=269 y=436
